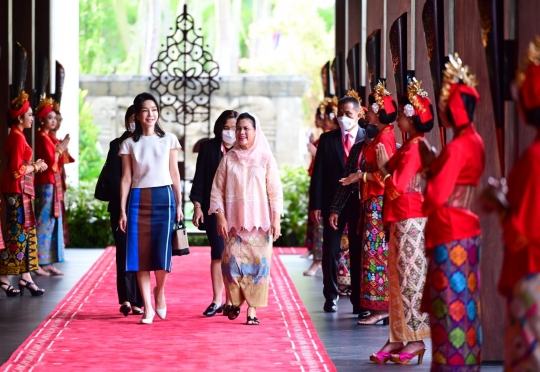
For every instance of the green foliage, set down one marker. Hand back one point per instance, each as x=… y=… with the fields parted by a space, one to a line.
x=88 y=219
x=328 y=16
x=90 y=158
x=295 y=181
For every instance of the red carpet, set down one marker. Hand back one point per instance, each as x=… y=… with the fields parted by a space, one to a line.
x=87 y=333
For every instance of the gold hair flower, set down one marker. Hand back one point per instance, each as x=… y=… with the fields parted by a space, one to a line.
x=532 y=56
x=19 y=100
x=455 y=72
x=44 y=102
x=56 y=106
x=413 y=91
x=332 y=102
x=379 y=93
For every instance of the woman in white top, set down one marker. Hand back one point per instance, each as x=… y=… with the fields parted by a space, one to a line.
x=151 y=179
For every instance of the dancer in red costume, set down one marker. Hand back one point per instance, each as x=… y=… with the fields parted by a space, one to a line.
x=19 y=257
x=453 y=230
x=407 y=264
x=518 y=206
x=374 y=292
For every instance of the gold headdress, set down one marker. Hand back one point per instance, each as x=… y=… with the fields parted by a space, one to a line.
x=413 y=91
x=455 y=72
x=354 y=94
x=379 y=93
x=44 y=102
x=20 y=100
x=332 y=102
x=532 y=56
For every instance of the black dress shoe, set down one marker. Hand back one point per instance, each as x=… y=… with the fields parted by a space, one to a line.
x=330 y=306
x=213 y=309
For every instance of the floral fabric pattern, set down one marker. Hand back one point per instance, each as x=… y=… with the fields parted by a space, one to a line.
x=374 y=287
x=50 y=233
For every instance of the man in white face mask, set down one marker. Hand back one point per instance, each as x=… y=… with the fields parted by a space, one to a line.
x=332 y=154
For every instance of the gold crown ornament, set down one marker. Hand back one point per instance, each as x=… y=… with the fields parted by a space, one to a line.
x=413 y=91
x=455 y=72
x=354 y=94
x=44 y=102
x=379 y=92
x=20 y=100
x=532 y=56
x=332 y=102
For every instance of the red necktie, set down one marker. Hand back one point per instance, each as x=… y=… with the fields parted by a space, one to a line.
x=347 y=146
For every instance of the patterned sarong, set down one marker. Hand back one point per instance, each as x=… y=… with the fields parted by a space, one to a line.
x=454 y=292
x=374 y=291
x=407 y=269
x=344 y=263
x=522 y=351
x=20 y=255
x=50 y=232
x=316 y=248
x=246 y=267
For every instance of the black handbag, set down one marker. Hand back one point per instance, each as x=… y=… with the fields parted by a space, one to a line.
x=180 y=239
x=103 y=191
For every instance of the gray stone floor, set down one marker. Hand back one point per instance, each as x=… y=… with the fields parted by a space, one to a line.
x=348 y=344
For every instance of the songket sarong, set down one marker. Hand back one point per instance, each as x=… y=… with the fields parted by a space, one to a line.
x=316 y=248
x=246 y=265
x=454 y=293
x=407 y=269
x=344 y=264
x=522 y=352
x=20 y=255
x=150 y=219
x=374 y=289
x=50 y=234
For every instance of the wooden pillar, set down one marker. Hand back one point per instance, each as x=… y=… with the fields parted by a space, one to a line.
x=4 y=86
x=43 y=34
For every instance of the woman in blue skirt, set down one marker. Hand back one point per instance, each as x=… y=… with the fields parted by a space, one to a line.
x=150 y=202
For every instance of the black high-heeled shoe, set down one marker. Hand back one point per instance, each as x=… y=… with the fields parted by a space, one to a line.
x=234 y=311
x=125 y=309
x=28 y=285
x=10 y=290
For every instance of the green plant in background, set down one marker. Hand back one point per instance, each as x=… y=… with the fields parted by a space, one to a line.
x=88 y=219
x=90 y=158
x=295 y=182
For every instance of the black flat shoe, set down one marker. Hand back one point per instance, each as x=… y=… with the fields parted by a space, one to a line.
x=28 y=285
x=226 y=310
x=330 y=306
x=137 y=311
x=10 y=290
x=125 y=309
x=233 y=312
x=213 y=309
x=252 y=321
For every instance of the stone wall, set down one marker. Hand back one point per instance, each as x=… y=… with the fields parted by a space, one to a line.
x=276 y=100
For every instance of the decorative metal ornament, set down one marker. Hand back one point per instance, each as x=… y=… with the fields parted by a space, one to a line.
x=185 y=75
x=375 y=107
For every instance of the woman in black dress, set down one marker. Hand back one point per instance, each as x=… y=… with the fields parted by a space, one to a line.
x=129 y=296
x=210 y=154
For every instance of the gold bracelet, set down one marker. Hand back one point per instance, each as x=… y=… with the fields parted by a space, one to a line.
x=364 y=177
x=35 y=167
x=386 y=177
x=60 y=152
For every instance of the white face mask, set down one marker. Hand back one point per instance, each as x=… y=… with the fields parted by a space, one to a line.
x=229 y=136
x=346 y=123
x=132 y=127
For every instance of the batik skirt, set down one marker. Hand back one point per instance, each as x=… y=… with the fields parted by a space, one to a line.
x=50 y=233
x=344 y=263
x=246 y=265
x=374 y=291
x=522 y=351
x=151 y=214
x=407 y=269
x=20 y=255
x=453 y=287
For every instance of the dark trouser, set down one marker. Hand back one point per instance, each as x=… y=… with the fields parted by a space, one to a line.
x=332 y=249
x=217 y=244
x=126 y=282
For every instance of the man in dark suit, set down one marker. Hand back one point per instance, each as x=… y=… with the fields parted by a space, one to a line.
x=332 y=153
x=341 y=198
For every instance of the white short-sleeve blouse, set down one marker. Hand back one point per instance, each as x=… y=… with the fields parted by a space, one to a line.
x=150 y=159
